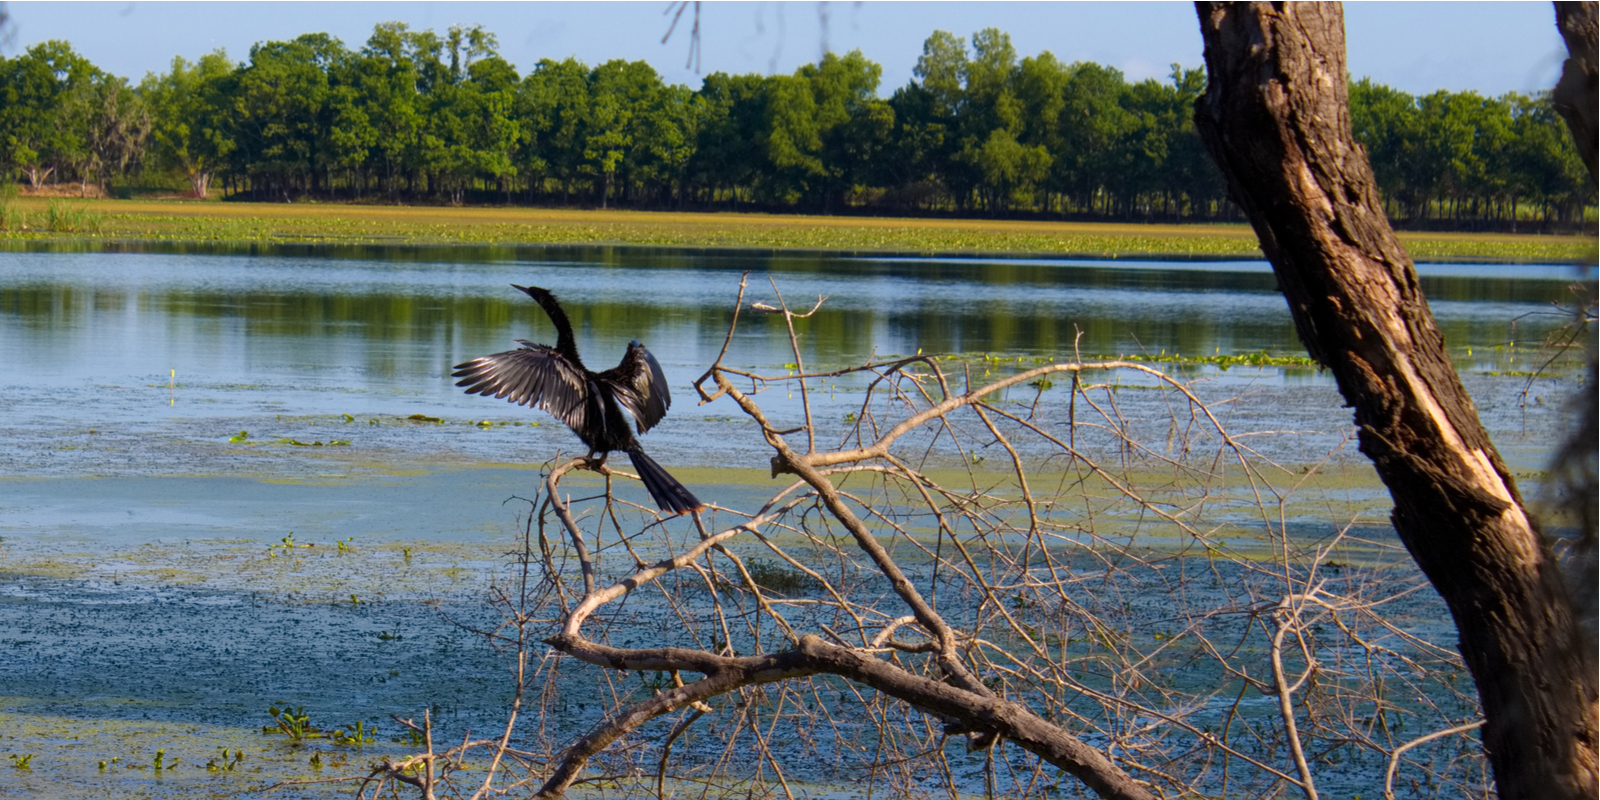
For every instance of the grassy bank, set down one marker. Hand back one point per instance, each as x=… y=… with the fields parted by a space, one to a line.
x=41 y=219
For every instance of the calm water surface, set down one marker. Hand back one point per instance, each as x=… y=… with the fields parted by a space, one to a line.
x=96 y=337
x=321 y=349
x=122 y=497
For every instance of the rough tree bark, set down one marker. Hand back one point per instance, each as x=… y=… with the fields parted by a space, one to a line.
x=1577 y=99
x=1577 y=95
x=1275 y=117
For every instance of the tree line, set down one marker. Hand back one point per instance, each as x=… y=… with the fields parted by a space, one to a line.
x=414 y=116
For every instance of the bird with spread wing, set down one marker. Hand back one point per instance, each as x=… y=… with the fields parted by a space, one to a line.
x=590 y=403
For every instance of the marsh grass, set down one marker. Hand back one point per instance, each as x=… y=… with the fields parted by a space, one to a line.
x=12 y=217
x=65 y=217
x=249 y=223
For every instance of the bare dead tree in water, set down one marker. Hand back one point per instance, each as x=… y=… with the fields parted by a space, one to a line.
x=988 y=585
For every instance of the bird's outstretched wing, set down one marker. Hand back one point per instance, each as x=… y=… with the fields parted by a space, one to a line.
x=640 y=386
x=534 y=375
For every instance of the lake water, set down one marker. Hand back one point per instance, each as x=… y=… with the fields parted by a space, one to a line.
x=92 y=341
x=133 y=527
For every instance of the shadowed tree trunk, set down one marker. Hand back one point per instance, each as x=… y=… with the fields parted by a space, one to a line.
x=1275 y=117
x=1577 y=95
x=1577 y=99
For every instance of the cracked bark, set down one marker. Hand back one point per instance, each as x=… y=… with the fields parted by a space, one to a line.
x=1275 y=117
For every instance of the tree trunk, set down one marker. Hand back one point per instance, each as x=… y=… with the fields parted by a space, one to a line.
x=1577 y=99
x=1577 y=95
x=1275 y=117
x=200 y=183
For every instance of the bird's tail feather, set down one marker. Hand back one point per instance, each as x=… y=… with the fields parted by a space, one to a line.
x=670 y=496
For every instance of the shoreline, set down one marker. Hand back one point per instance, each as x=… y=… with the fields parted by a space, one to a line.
x=157 y=226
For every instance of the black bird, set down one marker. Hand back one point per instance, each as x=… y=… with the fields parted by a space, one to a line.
x=590 y=403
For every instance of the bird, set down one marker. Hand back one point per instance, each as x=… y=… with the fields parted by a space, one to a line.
x=590 y=403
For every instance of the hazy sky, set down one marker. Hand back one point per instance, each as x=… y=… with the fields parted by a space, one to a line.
x=1417 y=47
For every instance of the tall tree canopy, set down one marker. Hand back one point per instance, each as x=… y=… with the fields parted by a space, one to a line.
x=980 y=129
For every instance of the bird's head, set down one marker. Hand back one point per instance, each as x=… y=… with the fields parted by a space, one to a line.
x=534 y=292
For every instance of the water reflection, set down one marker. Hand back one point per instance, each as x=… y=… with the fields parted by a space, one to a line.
x=90 y=338
x=308 y=331
x=313 y=310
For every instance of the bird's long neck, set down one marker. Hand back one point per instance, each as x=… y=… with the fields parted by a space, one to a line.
x=566 y=345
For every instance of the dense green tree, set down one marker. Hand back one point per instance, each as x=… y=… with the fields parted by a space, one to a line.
x=553 y=103
x=617 y=89
x=190 y=126
x=667 y=132
x=792 y=138
x=853 y=125
x=1008 y=168
x=641 y=103
x=416 y=115
x=495 y=131
x=1468 y=157
x=942 y=68
x=728 y=153
x=280 y=112
x=988 y=99
x=118 y=125
x=914 y=156
x=1384 y=120
x=43 y=130
x=1190 y=172
x=471 y=130
x=1541 y=161
x=385 y=75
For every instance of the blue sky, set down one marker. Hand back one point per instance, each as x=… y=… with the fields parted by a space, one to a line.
x=1418 y=47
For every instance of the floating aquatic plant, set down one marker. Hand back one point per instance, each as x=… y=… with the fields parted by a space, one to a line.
x=294 y=724
x=219 y=763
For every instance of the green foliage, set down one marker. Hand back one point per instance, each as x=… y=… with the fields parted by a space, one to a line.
x=1223 y=362
x=192 y=132
x=286 y=544
x=1463 y=156
x=12 y=217
x=355 y=733
x=297 y=726
x=42 y=122
x=64 y=217
x=418 y=115
x=294 y=724
x=223 y=762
